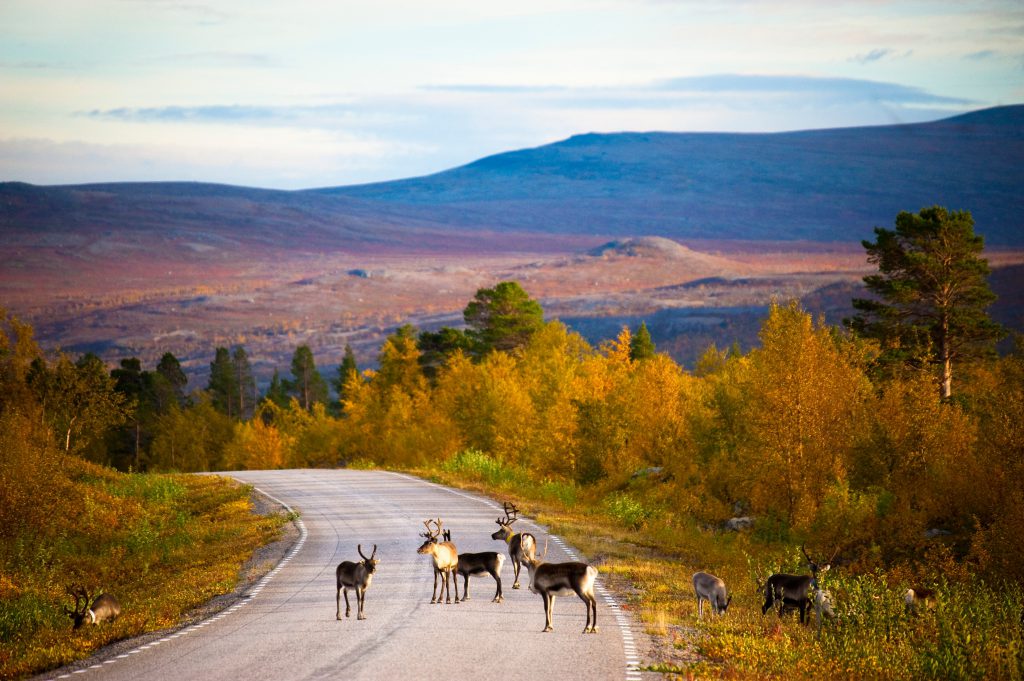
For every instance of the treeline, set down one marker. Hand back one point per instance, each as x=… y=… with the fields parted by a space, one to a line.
x=853 y=436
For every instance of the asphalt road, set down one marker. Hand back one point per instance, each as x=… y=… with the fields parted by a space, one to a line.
x=286 y=628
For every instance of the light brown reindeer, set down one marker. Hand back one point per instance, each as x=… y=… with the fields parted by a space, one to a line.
x=104 y=607
x=357 y=576
x=521 y=546
x=446 y=559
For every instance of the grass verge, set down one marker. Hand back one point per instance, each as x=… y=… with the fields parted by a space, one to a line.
x=163 y=544
x=975 y=630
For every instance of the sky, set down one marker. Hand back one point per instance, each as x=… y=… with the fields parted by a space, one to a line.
x=302 y=94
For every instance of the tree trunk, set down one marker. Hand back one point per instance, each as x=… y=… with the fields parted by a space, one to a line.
x=947 y=361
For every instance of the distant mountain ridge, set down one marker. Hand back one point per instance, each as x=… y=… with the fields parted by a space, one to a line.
x=817 y=185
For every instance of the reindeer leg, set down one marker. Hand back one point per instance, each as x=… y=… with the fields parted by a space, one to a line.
x=361 y=597
x=497 y=595
x=344 y=590
x=465 y=587
x=549 y=607
x=455 y=579
x=338 y=613
x=516 y=565
x=433 y=594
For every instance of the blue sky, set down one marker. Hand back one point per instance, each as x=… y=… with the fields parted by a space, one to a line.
x=306 y=94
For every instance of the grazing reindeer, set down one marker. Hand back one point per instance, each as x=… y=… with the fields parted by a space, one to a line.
x=790 y=592
x=520 y=546
x=711 y=589
x=922 y=596
x=488 y=562
x=563 y=579
x=446 y=559
x=822 y=607
x=355 y=576
x=104 y=608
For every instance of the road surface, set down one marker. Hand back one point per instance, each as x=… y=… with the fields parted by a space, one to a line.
x=286 y=627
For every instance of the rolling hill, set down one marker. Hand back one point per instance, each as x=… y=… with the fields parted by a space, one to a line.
x=819 y=185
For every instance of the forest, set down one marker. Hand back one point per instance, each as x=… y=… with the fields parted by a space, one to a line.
x=893 y=443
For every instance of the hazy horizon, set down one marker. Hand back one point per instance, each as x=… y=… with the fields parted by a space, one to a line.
x=327 y=94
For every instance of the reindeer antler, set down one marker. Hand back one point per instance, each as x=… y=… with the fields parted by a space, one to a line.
x=430 y=534
x=81 y=597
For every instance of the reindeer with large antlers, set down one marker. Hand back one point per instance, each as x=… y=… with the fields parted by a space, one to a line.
x=105 y=607
x=445 y=558
x=356 y=576
x=521 y=546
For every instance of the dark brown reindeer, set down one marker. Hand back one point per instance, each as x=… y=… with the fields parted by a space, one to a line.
x=484 y=563
x=104 y=607
x=357 y=576
x=563 y=579
x=521 y=546
x=792 y=592
x=445 y=558
x=475 y=564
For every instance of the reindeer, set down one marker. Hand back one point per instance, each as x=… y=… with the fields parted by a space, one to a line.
x=920 y=596
x=563 y=579
x=488 y=562
x=104 y=608
x=790 y=592
x=446 y=559
x=822 y=607
x=711 y=589
x=355 y=576
x=520 y=546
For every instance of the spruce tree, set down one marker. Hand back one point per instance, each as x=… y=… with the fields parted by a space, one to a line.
x=641 y=346
x=347 y=367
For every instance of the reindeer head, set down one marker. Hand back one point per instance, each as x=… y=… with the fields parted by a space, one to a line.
x=369 y=563
x=505 y=524
x=430 y=535
x=82 y=601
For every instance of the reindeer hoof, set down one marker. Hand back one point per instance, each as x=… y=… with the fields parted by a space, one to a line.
x=547 y=629
x=339 y=617
x=516 y=585
x=465 y=598
x=361 y=617
x=433 y=600
x=497 y=599
x=448 y=601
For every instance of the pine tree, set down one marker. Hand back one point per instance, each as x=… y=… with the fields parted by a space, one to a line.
x=931 y=292
x=223 y=388
x=502 y=318
x=245 y=383
x=641 y=346
x=309 y=387
x=170 y=368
